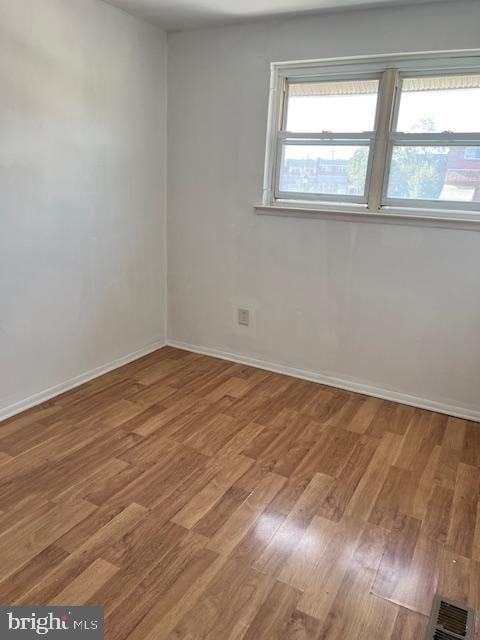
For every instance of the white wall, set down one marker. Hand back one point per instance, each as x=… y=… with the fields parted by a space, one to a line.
x=391 y=307
x=82 y=187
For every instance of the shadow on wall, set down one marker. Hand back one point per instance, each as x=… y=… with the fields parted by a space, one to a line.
x=199 y=13
x=77 y=271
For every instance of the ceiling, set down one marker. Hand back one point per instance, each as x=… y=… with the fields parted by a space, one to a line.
x=188 y=14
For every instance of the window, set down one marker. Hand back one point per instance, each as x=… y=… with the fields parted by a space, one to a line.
x=378 y=134
x=325 y=146
x=472 y=154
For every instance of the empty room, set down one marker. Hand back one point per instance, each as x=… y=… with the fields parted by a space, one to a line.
x=240 y=319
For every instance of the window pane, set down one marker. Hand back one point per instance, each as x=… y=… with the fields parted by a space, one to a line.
x=320 y=169
x=332 y=106
x=445 y=103
x=473 y=153
x=435 y=173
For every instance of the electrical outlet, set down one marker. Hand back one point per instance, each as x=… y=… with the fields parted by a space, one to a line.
x=243 y=317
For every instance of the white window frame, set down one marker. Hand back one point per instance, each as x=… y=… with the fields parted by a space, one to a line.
x=390 y=71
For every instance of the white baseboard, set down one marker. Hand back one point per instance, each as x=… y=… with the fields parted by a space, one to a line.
x=322 y=378
x=56 y=390
x=341 y=383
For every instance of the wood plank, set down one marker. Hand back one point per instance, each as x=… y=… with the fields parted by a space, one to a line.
x=86 y=584
x=436 y=522
x=408 y=573
x=60 y=576
x=391 y=499
x=323 y=564
x=355 y=612
x=364 y=416
x=293 y=528
x=25 y=540
x=228 y=606
x=471 y=444
x=152 y=542
x=243 y=518
x=197 y=498
x=344 y=487
x=198 y=506
x=276 y=616
x=12 y=587
x=160 y=589
x=215 y=434
x=221 y=512
x=476 y=538
x=374 y=477
x=391 y=417
x=409 y=625
x=454 y=576
x=464 y=511
x=185 y=603
x=454 y=434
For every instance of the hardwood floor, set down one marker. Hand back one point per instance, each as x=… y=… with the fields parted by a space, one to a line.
x=197 y=499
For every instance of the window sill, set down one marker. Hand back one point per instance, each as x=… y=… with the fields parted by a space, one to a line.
x=406 y=217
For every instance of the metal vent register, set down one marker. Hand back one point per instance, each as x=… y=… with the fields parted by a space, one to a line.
x=450 y=621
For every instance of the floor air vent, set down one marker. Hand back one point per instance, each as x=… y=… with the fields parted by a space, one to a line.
x=450 y=621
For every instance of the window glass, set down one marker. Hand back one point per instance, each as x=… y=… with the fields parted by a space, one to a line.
x=322 y=169
x=348 y=106
x=434 y=173
x=437 y=104
x=473 y=153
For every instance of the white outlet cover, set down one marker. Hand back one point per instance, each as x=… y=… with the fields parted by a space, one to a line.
x=243 y=317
